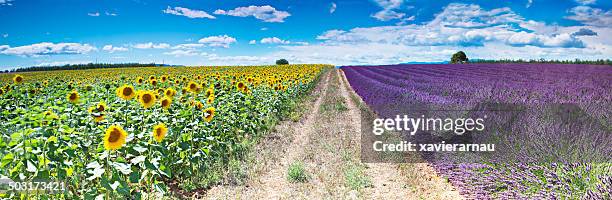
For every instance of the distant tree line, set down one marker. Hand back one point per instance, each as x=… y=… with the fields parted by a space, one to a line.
x=80 y=67
x=576 y=61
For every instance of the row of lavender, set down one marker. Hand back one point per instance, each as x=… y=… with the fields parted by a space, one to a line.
x=545 y=93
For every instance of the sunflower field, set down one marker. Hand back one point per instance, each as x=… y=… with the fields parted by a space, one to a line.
x=129 y=133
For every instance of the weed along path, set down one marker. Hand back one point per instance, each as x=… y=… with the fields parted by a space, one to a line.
x=316 y=155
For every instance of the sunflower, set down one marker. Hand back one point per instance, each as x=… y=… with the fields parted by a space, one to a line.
x=192 y=87
x=159 y=132
x=1 y=91
x=209 y=113
x=151 y=77
x=98 y=117
x=210 y=92
x=166 y=102
x=240 y=85
x=164 y=78
x=170 y=92
x=126 y=92
x=154 y=82
x=101 y=107
x=114 y=137
x=210 y=100
x=88 y=87
x=18 y=79
x=199 y=105
x=73 y=96
x=139 y=80
x=147 y=99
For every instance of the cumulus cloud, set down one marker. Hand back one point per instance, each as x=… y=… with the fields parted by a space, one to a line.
x=584 y=32
x=47 y=48
x=180 y=52
x=586 y=2
x=457 y=27
x=218 y=41
x=273 y=40
x=187 y=46
x=253 y=42
x=112 y=49
x=151 y=45
x=180 y=11
x=265 y=13
x=332 y=7
x=591 y=16
x=6 y=3
x=562 y=40
x=387 y=13
x=529 y=2
x=94 y=14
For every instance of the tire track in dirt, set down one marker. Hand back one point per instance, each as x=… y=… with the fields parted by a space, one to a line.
x=393 y=180
x=272 y=183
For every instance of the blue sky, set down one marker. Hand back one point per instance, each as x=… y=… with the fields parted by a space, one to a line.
x=211 y=32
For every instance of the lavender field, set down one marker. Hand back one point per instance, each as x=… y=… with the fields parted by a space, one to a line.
x=551 y=123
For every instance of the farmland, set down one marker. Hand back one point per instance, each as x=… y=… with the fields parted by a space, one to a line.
x=548 y=159
x=134 y=132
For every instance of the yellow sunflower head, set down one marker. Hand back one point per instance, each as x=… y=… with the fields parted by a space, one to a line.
x=166 y=102
x=151 y=77
x=139 y=80
x=159 y=132
x=101 y=107
x=240 y=85
x=164 y=78
x=126 y=92
x=18 y=79
x=73 y=97
x=98 y=117
x=210 y=100
x=210 y=92
x=1 y=91
x=114 y=138
x=209 y=113
x=147 y=99
x=154 y=82
x=170 y=92
x=199 y=105
x=192 y=87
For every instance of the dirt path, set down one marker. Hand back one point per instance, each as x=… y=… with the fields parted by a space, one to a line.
x=327 y=143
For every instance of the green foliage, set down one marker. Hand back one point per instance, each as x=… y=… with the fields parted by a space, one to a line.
x=296 y=172
x=459 y=57
x=282 y=62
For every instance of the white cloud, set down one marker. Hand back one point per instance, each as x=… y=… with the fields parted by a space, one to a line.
x=5 y=35
x=112 y=49
x=265 y=13
x=62 y=63
x=179 y=53
x=187 y=12
x=187 y=46
x=591 y=16
x=218 y=41
x=562 y=40
x=332 y=7
x=586 y=2
x=263 y=29
x=458 y=27
x=529 y=2
x=6 y=2
x=151 y=45
x=94 y=14
x=387 y=13
x=273 y=40
x=47 y=48
x=253 y=42
x=110 y=13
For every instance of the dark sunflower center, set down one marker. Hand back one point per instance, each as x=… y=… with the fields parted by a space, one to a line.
x=114 y=135
x=209 y=112
x=192 y=86
x=73 y=96
x=127 y=91
x=147 y=98
x=165 y=103
x=19 y=79
x=158 y=132
x=100 y=108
